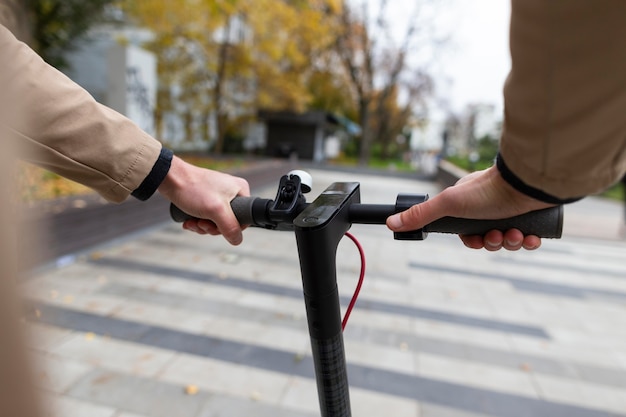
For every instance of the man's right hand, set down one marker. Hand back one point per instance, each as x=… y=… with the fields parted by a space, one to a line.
x=480 y=195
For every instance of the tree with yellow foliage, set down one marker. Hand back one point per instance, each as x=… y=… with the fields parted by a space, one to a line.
x=228 y=58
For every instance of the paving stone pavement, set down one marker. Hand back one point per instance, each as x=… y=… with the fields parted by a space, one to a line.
x=167 y=323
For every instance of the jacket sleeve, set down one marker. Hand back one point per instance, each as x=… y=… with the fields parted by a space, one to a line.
x=60 y=127
x=565 y=97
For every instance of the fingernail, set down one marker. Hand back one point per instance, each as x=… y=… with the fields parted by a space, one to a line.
x=492 y=244
x=513 y=243
x=395 y=221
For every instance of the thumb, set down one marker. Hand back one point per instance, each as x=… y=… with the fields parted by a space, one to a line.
x=414 y=217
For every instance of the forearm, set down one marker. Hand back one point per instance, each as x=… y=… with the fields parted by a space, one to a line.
x=564 y=130
x=59 y=126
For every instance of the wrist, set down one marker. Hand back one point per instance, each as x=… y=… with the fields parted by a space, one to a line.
x=175 y=179
x=510 y=194
x=531 y=192
x=155 y=178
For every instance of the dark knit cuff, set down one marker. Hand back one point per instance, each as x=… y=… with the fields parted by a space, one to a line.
x=524 y=188
x=156 y=176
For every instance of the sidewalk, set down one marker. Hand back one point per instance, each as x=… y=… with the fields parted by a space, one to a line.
x=173 y=324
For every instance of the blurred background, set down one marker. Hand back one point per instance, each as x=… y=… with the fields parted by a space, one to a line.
x=132 y=317
x=368 y=83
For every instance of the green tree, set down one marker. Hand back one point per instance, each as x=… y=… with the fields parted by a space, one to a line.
x=487 y=149
x=58 y=26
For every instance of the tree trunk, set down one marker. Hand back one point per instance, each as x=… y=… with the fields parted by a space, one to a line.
x=384 y=134
x=220 y=122
x=366 y=135
x=188 y=118
x=218 y=94
x=205 y=125
x=219 y=128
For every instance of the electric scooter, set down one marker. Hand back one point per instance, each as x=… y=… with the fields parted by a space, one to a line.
x=319 y=226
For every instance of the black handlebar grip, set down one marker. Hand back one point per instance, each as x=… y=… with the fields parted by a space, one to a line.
x=241 y=206
x=178 y=215
x=546 y=223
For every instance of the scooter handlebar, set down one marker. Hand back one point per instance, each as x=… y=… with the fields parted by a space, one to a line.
x=546 y=223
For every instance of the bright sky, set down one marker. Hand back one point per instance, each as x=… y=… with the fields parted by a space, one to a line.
x=472 y=66
x=478 y=59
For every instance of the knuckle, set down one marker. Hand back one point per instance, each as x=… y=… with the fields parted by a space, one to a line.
x=412 y=216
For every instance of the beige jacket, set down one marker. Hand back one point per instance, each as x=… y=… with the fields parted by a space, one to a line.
x=565 y=98
x=17 y=394
x=55 y=124
x=59 y=126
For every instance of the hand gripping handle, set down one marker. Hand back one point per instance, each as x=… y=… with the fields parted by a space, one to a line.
x=546 y=223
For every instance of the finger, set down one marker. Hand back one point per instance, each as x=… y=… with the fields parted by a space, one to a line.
x=233 y=235
x=513 y=240
x=415 y=217
x=228 y=225
x=531 y=242
x=472 y=241
x=493 y=240
x=208 y=227
x=244 y=190
x=192 y=226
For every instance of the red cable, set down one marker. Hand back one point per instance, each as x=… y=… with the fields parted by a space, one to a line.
x=358 y=285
